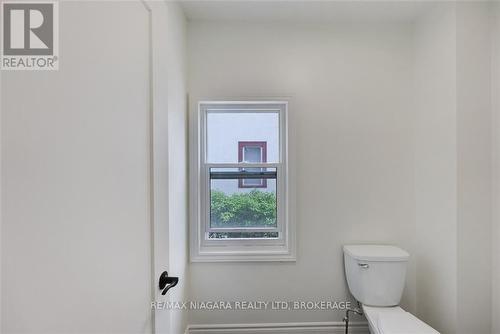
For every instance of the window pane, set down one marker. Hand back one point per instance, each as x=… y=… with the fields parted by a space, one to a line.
x=252 y=154
x=246 y=183
x=232 y=206
x=226 y=129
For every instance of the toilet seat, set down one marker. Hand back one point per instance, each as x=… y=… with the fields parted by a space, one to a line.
x=402 y=323
x=394 y=320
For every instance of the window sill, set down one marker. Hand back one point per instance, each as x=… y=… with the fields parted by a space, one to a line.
x=243 y=256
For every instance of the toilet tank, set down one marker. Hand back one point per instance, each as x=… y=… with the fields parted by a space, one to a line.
x=375 y=273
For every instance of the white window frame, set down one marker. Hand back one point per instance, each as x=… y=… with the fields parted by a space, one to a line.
x=201 y=248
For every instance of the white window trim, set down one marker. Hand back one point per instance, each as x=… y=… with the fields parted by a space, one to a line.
x=202 y=250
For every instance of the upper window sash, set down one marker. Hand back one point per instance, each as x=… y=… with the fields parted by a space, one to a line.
x=207 y=108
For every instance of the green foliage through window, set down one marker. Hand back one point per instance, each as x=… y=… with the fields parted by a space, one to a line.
x=252 y=209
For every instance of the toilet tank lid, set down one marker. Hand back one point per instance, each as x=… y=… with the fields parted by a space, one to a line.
x=376 y=252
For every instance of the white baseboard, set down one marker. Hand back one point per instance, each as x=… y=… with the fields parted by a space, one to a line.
x=281 y=328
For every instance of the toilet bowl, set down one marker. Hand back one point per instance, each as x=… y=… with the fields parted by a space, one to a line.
x=376 y=277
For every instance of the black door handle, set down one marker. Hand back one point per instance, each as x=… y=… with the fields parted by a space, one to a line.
x=166 y=282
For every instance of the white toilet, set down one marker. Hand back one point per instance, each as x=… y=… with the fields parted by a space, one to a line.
x=376 y=278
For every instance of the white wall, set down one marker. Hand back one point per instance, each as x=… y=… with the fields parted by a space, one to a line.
x=436 y=167
x=351 y=137
x=495 y=99
x=474 y=167
x=453 y=174
x=177 y=160
x=75 y=180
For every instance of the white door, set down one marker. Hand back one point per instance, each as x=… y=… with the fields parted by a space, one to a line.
x=77 y=179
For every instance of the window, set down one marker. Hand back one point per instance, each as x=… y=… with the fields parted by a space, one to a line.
x=240 y=201
x=252 y=152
